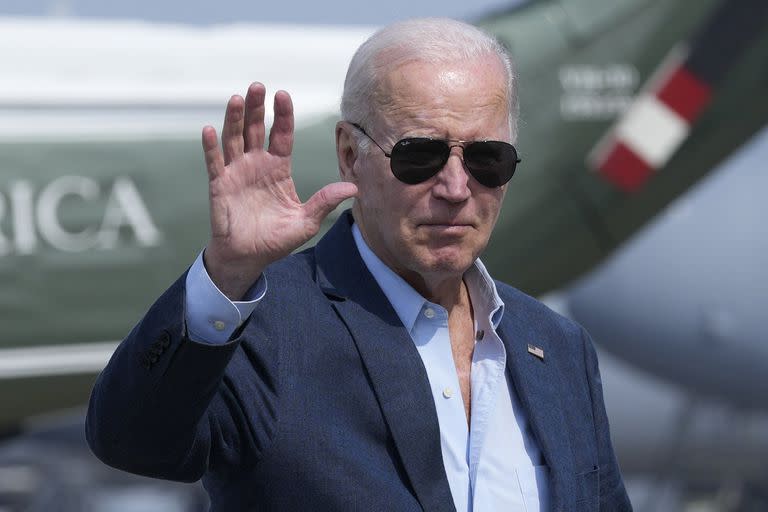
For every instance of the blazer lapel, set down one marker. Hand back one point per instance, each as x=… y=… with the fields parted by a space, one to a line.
x=397 y=373
x=537 y=382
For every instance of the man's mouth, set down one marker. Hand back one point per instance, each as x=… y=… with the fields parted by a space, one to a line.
x=448 y=227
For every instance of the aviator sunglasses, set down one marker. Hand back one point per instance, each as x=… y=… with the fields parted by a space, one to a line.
x=416 y=159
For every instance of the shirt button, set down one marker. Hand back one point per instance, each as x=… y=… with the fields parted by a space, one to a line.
x=448 y=392
x=480 y=335
x=429 y=313
x=219 y=325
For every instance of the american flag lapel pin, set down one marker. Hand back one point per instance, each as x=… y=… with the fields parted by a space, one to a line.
x=536 y=351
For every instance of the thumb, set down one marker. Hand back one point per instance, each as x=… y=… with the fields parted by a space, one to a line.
x=325 y=200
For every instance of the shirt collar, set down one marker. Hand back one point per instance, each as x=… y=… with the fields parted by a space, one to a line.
x=482 y=290
x=407 y=302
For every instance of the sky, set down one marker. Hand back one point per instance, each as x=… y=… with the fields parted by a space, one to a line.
x=332 y=12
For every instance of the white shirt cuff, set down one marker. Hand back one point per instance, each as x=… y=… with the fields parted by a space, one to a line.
x=210 y=316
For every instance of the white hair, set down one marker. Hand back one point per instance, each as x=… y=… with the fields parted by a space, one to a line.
x=433 y=40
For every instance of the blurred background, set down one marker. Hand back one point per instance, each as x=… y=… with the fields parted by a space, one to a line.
x=638 y=210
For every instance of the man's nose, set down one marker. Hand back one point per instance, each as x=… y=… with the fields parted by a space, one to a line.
x=453 y=180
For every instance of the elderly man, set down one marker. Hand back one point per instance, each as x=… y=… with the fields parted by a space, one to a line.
x=382 y=369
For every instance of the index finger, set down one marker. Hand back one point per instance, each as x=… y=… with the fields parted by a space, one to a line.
x=281 y=134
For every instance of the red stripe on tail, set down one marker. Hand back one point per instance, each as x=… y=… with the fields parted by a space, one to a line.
x=624 y=168
x=685 y=94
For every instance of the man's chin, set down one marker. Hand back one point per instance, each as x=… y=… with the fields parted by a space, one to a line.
x=447 y=265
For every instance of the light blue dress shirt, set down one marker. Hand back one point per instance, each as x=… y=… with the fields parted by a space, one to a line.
x=494 y=464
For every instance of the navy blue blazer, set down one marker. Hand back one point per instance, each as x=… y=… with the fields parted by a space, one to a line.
x=321 y=401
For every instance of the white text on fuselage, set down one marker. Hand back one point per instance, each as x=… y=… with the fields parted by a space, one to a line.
x=32 y=218
x=592 y=92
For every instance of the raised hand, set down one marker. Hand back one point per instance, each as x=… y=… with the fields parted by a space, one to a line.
x=256 y=215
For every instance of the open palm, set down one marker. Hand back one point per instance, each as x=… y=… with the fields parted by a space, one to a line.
x=256 y=215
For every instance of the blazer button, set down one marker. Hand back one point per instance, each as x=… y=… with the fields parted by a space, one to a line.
x=164 y=340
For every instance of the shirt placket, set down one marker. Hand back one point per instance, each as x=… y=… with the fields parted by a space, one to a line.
x=431 y=335
x=488 y=363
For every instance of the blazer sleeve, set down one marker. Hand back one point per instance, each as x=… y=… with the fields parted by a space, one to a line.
x=166 y=407
x=613 y=495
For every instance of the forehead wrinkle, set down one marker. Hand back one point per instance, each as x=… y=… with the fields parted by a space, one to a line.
x=415 y=119
x=453 y=97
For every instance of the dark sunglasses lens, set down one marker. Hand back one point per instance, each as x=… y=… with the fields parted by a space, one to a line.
x=416 y=160
x=492 y=163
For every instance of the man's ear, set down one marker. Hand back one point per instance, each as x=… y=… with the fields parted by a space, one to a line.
x=346 y=151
